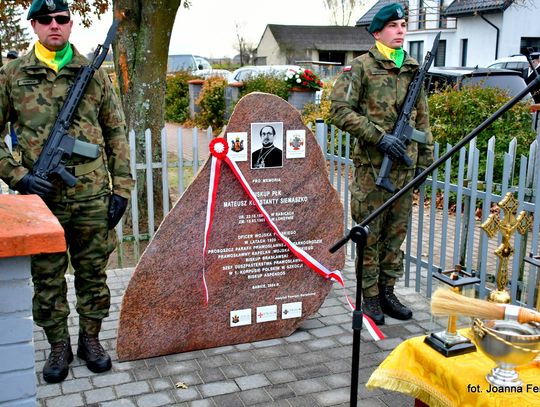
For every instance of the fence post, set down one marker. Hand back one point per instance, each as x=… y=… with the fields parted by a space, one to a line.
x=134 y=196
x=320 y=134
x=149 y=182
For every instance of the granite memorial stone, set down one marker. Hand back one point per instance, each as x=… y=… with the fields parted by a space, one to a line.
x=257 y=288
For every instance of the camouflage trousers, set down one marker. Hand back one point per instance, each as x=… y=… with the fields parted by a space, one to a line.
x=383 y=257
x=89 y=245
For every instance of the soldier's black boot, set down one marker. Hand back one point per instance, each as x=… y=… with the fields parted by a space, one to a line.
x=57 y=365
x=90 y=350
x=390 y=304
x=372 y=308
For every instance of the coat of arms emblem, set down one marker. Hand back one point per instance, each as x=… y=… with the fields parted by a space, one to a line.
x=237 y=145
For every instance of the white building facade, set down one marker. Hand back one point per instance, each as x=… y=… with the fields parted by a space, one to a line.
x=474 y=32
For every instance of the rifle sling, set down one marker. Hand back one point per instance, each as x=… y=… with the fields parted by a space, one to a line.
x=86 y=168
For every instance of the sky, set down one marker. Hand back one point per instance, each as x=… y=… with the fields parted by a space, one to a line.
x=208 y=28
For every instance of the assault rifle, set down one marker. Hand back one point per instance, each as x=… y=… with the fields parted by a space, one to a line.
x=60 y=145
x=402 y=128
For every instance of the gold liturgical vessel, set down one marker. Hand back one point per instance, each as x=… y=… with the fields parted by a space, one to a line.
x=450 y=342
x=507 y=226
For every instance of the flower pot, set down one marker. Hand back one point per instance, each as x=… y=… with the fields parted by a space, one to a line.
x=298 y=97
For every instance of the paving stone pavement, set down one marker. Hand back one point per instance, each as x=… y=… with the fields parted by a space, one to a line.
x=307 y=369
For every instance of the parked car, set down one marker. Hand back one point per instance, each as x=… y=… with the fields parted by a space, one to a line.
x=509 y=80
x=515 y=62
x=194 y=64
x=248 y=71
x=221 y=73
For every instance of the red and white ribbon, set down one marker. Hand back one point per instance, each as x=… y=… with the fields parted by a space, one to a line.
x=219 y=149
x=372 y=329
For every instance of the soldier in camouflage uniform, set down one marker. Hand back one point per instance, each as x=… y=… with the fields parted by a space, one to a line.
x=366 y=100
x=32 y=90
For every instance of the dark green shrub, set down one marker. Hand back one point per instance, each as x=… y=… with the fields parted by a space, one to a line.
x=454 y=114
x=212 y=103
x=177 y=97
x=274 y=84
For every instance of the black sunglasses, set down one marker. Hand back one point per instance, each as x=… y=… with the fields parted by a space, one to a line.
x=46 y=20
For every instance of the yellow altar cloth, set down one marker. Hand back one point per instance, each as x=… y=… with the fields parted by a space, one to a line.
x=416 y=369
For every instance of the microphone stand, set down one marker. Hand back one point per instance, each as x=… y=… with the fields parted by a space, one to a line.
x=359 y=233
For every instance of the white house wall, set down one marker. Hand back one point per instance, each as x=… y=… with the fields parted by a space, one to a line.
x=427 y=37
x=482 y=38
x=268 y=47
x=519 y=21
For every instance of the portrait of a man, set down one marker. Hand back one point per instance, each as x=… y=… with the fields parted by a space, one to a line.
x=266 y=145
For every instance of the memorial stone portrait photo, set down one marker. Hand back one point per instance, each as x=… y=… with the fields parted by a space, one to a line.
x=266 y=145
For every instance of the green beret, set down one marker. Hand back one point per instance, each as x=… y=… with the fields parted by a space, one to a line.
x=390 y=12
x=44 y=7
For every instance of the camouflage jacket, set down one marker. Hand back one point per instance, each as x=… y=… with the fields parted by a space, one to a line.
x=366 y=101
x=31 y=94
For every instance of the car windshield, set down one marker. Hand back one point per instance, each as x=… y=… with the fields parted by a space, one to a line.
x=244 y=74
x=180 y=63
x=498 y=65
x=203 y=63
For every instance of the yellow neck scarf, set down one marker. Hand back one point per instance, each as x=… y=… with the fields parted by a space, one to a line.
x=396 y=55
x=56 y=60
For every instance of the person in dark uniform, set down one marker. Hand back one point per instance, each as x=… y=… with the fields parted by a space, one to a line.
x=530 y=75
x=269 y=155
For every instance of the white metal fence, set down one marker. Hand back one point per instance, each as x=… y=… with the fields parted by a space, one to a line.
x=447 y=232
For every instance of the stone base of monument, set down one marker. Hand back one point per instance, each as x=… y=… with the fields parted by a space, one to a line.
x=257 y=287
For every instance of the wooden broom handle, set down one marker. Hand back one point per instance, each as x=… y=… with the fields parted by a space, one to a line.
x=525 y=316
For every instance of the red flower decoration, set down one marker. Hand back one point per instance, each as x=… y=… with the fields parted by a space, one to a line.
x=219 y=148
x=303 y=79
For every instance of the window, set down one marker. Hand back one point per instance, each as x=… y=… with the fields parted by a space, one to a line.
x=443 y=21
x=464 y=49
x=332 y=56
x=260 y=61
x=517 y=66
x=440 y=59
x=416 y=49
x=529 y=42
x=421 y=15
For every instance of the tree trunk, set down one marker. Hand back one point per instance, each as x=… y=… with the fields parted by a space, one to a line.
x=141 y=51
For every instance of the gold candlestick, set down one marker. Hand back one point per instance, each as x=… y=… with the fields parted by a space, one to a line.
x=449 y=342
x=507 y=226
